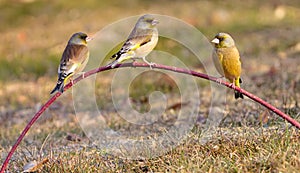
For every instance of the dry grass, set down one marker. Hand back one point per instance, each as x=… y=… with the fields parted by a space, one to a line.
x=248 y=139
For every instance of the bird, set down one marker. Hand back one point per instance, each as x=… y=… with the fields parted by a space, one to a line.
x=140 y=42
x=227 y=61
x=73 y=60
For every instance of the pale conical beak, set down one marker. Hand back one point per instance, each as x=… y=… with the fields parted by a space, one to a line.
x=89 y=39
x=216 y=41
x=155 y=22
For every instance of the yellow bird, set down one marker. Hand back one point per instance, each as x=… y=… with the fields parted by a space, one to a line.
x=141 y=41
x=226 y=58
x=73 y=60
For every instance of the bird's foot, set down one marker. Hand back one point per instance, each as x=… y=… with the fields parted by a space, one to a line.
x=151 y=64
x=232 y=85
x=133 y=62
x=81 y=73
x=219 y=80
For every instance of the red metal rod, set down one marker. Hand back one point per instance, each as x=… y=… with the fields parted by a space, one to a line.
x=158 y=66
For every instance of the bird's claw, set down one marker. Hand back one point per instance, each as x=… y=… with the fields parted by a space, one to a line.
x=232 y=85
x=151 y=64
x=219 y=80
x=133 y=63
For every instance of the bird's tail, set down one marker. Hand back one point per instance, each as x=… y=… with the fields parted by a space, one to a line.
x=113 y=64
x=236 y=93
x=59 y=87
x=120 y=59
x=60 y=83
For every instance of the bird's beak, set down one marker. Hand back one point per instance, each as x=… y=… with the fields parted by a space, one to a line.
x=155 y=22
x=216 y=41
x=89 y=39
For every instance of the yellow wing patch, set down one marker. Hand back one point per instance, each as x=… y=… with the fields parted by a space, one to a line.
x=136 y=46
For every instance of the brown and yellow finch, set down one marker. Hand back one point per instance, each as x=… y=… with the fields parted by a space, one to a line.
x=226 y=58
x=141 y=41
x=73 y=60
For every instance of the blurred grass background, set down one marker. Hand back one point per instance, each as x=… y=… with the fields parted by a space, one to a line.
x=35 y=32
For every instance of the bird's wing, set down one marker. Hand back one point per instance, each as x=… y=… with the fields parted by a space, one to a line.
x=136 y=39
x=217 y=59
x=73 y=56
